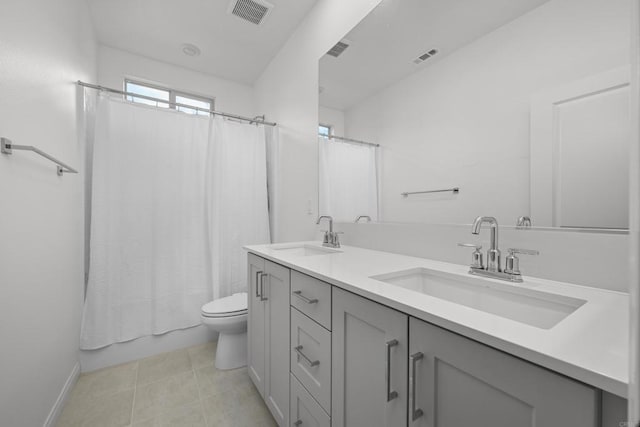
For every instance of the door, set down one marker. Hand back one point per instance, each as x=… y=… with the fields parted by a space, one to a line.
x=256 y=323
x=580 y=153
x=276 y=289
x=369 y=360
x=460 y=382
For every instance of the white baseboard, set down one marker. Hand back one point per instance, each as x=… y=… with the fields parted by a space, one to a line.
x=63 y=396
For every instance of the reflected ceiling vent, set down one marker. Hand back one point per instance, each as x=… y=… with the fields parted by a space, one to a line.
x=254 y=11
x=425 y=56
x=339 y=48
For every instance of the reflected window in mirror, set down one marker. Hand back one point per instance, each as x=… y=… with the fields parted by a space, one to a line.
x=325 y=130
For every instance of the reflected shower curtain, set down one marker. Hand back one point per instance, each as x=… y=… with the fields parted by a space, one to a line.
x=158 y=250
x=348 y=184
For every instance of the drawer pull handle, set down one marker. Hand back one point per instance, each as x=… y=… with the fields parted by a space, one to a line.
x=262 y=276
x=391 y=394
x=297 y=423
x=415 y=413
x=258 y=273
x=305 y=299
x=312 y=363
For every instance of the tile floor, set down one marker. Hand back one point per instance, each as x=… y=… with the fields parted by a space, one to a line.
x=180 y=388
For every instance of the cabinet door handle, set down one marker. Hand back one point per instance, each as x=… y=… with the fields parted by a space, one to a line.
x=391 y=394
x=297 y=423
x=298 y=350
x=305 y=299
x=262 y=276
x=415 y=413
x=258 y=273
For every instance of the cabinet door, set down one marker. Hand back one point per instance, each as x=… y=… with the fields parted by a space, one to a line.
x=369 y=360
x=276 y=292
x=256 y=324
x=460 y=382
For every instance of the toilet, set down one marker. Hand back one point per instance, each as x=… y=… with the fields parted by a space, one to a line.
x=228 y=317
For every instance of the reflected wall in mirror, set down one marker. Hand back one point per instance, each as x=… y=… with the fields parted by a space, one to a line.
x=522 y=104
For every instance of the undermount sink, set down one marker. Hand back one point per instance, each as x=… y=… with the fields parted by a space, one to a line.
x=535 y=308
x=305 y=250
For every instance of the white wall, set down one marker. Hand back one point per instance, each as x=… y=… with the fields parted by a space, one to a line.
x=230 y=97
x=45 y=47
x=288 y=92
x=333 y=117
x=464 y=120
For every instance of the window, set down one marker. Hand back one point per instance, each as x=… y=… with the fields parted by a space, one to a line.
x=324 y=130
x=169 y=95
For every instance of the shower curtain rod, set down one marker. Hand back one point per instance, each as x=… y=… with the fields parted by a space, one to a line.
x=256 y=120
x=357 y=141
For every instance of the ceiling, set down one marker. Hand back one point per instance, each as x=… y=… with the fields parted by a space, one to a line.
x=384 y=45
x=232 y=48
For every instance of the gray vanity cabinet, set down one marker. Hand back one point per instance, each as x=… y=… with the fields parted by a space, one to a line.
x=357 y=363
x=369 y=361
x=268 y=333
x=460 y=382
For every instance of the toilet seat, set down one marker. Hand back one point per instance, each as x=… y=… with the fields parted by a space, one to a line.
x=231 y=306
x=227 y=317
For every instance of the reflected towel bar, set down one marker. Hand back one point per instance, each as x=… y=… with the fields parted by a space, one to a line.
x=454 y=190
x=7 y=147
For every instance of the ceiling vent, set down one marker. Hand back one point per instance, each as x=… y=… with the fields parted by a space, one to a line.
x=425 y=56
x=254 y=11
x=339 y=48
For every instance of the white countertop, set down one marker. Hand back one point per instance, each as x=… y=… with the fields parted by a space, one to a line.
x=590 y=345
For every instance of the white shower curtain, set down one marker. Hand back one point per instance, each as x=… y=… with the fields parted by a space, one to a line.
x=348 y=183
x=158 y=250
x=238 y=206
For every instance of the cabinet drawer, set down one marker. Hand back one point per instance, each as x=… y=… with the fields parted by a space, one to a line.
x=311 y=357
x=305 y=409
x=312 y=297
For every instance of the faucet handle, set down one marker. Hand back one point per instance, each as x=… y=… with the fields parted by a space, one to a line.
x=523 y=251
x=476 y=256
x=336 y=238
x=512 y=262
x=470 y=245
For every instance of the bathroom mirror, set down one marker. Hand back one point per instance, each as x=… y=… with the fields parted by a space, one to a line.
x=520 y=105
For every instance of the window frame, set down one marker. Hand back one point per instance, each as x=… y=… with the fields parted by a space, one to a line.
x=173 y=93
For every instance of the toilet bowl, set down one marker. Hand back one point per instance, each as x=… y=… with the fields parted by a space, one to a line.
x=228 y=317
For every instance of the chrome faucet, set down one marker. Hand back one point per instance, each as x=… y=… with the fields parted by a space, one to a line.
x=524 y=222
x=359 y=217
x=330 y=239
x=493 y=253
x=493 y=268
